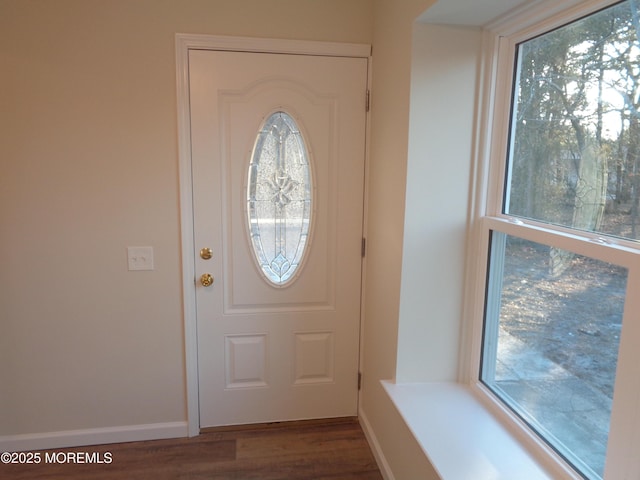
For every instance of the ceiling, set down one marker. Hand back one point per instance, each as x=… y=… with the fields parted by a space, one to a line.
x=468 y=12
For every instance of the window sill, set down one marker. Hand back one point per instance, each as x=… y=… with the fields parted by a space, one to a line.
x=461 y=439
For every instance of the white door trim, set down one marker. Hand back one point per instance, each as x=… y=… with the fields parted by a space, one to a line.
x=184 y=43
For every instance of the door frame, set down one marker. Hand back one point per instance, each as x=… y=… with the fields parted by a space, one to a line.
x=184 y=43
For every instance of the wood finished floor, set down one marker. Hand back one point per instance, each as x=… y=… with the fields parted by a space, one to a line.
x=334 y=450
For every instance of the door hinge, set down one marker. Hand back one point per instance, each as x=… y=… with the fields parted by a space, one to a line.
x=359 y=380
x=368 y=101
x=363 y=249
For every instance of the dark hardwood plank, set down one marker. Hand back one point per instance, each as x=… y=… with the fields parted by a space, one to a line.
x=331 y=450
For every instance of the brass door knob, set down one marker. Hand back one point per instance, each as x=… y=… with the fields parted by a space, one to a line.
x=206 y=253
x=206 y=280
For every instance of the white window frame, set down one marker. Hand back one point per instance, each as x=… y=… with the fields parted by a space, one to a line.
x=501 y=40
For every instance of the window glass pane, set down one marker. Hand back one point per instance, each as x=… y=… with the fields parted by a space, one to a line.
x=551 y=344
x=279 y=198
x=575 y=127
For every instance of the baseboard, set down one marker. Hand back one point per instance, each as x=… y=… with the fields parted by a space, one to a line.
x=385 y=470
x=93 y=436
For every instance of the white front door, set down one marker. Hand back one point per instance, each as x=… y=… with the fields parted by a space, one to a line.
x=278 y=148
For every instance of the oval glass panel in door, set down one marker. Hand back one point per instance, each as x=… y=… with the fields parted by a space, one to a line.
x=279 y=196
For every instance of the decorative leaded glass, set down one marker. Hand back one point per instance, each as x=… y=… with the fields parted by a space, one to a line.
x=279 y=198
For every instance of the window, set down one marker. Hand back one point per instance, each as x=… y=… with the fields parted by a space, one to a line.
x=560 y=235
x=279 y=198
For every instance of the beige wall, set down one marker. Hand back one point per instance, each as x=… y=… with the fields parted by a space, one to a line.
x=392 y=50
x=445 y=66
x=88 y=156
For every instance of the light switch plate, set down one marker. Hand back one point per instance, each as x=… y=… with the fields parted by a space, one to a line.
x=140 y=258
